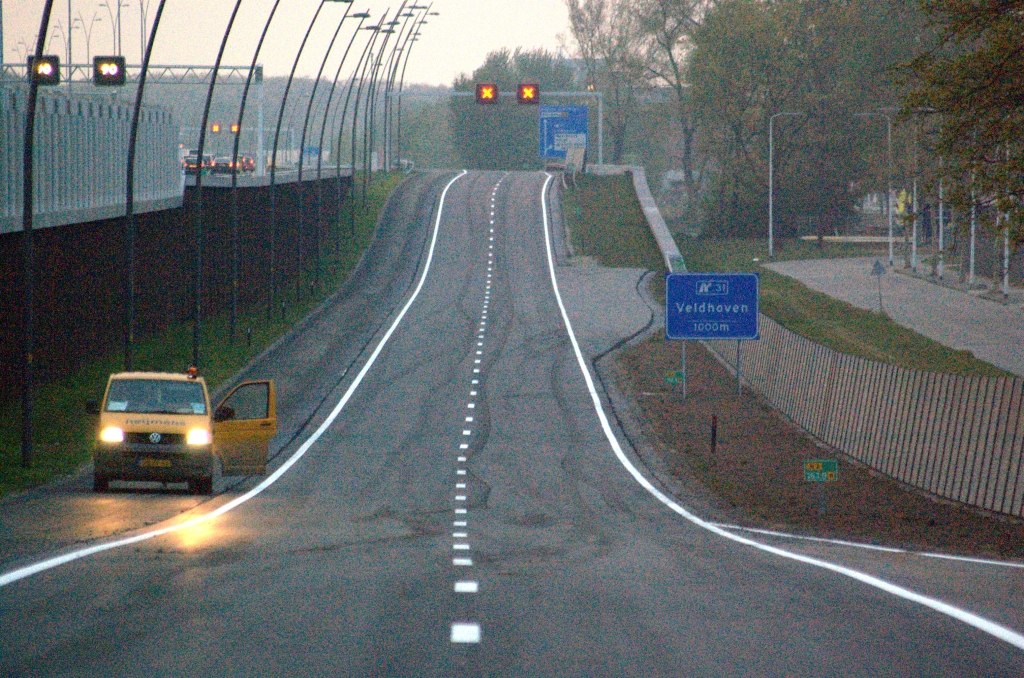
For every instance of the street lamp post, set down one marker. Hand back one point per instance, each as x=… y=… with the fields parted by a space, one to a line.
x=888 y=161
x=771 y=180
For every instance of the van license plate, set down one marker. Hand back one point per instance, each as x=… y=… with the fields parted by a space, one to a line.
x=155 y=463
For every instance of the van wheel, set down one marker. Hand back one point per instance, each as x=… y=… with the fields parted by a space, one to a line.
x=201 y=486
x=100 y=483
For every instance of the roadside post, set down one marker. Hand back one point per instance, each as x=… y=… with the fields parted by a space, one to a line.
x=821 y=471
x=878 y=271
x=705 y=306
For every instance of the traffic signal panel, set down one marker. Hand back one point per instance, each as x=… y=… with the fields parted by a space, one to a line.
x=108 y=71
x=528 y=93
x=45 y=70
x=215 y=128
x=486 y=93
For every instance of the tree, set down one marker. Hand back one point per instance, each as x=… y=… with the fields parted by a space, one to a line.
x=971 y=80
x=669 y=25
x=611 y=44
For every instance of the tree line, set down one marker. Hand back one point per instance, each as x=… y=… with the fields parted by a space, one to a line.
x=945 y=73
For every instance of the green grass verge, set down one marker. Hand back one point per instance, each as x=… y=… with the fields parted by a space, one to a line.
x=825 y=320
x=64 y=432
x=605 y=221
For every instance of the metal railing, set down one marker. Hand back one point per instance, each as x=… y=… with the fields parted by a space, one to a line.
x=959 y=438
x=79 y=149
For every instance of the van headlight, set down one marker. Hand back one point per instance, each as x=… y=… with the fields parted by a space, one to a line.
x=198 y=436
x=112 y=434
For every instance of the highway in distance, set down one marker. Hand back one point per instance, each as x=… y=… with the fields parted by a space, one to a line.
x=464 y=513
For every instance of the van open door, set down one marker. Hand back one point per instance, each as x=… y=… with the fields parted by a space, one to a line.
x=243 y=425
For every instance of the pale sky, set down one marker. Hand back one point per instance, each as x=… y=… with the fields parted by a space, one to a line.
x=456 y=41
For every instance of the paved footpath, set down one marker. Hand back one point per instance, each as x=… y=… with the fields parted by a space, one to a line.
x=992 y=332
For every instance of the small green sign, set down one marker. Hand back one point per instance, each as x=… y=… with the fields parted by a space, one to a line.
x=821 y=471
x=674 y=378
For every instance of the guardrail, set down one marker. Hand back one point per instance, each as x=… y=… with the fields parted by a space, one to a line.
x=80 y=151
x=959 y=438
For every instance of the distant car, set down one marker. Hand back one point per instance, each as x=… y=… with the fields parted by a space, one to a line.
x=246 y=164
x=222 y=165
x=192 y=165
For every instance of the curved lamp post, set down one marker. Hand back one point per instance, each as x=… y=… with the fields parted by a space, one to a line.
x=771 y=182
x=302 y=150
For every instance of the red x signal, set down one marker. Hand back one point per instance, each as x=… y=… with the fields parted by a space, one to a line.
x=486 y=93
x=528 y=93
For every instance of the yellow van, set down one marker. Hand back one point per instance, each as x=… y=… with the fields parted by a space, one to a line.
x=159 y=426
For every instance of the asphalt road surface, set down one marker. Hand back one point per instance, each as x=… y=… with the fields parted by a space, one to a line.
x=463 y=515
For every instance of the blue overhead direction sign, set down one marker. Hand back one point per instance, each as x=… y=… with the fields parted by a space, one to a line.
x=711 y=305
x=560 y=128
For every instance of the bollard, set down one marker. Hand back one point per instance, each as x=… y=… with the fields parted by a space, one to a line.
x=282 y=310
x=248 y=338
x=714 y=434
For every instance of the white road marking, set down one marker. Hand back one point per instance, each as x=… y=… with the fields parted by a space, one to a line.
x=465 y=633
x=872 y=547
x=461 y=459
x=997 y=630
x=460 y=547
x=460 y=486
x=459 y=523
x=466 y=587
x=471 y=406
x=461 y=472
x=467 y=433
x=469 y=419
x=459 y=535
x=462 y=562
x=50 y=563
x=460 y=510
x=460 y=497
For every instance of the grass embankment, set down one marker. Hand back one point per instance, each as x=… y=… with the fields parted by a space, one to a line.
x=825 y=320
x=605 y=221
x=63 y=431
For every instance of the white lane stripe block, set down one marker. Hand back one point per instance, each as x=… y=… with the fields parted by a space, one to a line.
x=475 y=381
x=461 y=472
x=466 y=587
x=460 y=497
x=464 y=446
x=460 y=547
x=467 y=433
x=459 y=535
x=471 y=406
x=999 y=631
x=462 y=459
x=469 y=419
x=462 y=562
x=461 y=511
x=460 y=486
x=465 y=633
x=476 y=370
x=459 y=523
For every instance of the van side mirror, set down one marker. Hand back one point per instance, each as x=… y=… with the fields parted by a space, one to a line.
x=224 y=413
x=92 y=407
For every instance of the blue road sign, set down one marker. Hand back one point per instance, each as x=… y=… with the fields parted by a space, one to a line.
x=560 y=128
x=711 y=305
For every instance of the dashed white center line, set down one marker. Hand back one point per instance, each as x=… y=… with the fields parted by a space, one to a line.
x=466 y=587
x=460 y=486
x=460 y=511
x=460 y=497
x=465 y=633
x=462 y=458
x=459 y=523
x=461 y=472
x=462 y=562
x=460 y=547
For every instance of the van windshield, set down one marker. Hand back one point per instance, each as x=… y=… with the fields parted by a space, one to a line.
x=156 y=396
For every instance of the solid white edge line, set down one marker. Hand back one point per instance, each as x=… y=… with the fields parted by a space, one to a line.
x=872 y=547
x=992 y=628
x=50 y=563
x=772 y=533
